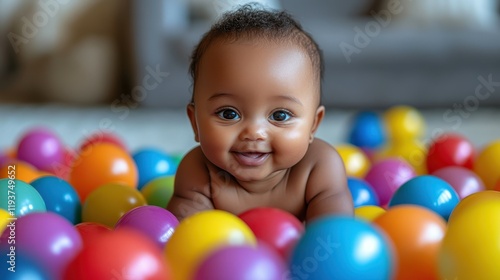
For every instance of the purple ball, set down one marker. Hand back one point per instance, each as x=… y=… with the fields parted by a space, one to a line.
x=41 y=148
x=463 y=180
x=386 y=176
x=155 y=222
x=47 y=238
x=242 y=262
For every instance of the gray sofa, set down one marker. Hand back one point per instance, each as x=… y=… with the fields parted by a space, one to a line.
x=394 y=63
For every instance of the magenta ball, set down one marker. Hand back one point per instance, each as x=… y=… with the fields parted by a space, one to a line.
x=242 y=262
x=463 y=180
x=41 y=148
x=155 y=222
x=387 y=175
x=46 y=238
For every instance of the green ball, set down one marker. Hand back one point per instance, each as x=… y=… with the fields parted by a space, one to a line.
x=159 y=191
x=20 y=198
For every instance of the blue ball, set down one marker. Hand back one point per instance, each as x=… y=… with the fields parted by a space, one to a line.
x=427 y=191
x=153 y=163
x=21 y=266
x=362 y=192
x=60 y=197
x=337 y=247
x=367 y=130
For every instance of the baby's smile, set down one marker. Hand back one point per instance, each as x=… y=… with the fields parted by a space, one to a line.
x=250 y=158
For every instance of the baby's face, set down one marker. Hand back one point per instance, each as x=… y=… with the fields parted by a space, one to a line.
x=255 y=107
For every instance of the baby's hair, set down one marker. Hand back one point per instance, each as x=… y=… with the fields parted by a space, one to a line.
x=252 y=21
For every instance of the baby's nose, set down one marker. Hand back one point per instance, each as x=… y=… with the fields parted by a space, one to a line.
x=254 y=131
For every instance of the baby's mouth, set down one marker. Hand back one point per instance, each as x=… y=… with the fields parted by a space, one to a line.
x=251 y=158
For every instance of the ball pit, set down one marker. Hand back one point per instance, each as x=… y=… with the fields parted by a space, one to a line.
x=412 y=244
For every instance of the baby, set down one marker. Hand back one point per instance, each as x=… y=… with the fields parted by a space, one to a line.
x=255 y=109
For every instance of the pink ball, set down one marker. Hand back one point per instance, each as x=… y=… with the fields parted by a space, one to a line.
x=386 y=176
x=41 y=148
x=463 y=180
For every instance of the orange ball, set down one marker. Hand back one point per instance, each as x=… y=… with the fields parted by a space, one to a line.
x=19 y=170
x=416 y=234
x=101 y=164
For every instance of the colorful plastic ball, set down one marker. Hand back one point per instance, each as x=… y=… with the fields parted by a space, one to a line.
x=404 y=122
x=153 y=163
x=5 y=157
x=487 y=164
x=101 y=164
x=159 y=191
x=387 y=175
x=471 y=245
x=464 y=181
x=362 y=193
x=276 y=228
x=41 y=148
x=46 y=238
x=60 y=197
x=427 y=191
x=242 y=262
x=90 y=231
x=198 y=235
x=355 y=161
x=368 y=212
x=108 y=203
x=21 y=267
x=20 y=198
x=5 y=218
x=413 y=151
x=367 y=130
x=119 y=254
x=20 y=170
x=416 y=233
x=99 y=137
x=450 y=150
x=337 y=247
x=155 y=222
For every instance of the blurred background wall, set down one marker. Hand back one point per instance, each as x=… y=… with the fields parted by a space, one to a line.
x=378 y=53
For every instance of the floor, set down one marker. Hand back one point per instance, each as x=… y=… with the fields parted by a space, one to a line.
x=169 y=130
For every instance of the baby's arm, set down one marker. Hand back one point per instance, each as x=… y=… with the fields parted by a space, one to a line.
x=192 y=186
x=327 y=192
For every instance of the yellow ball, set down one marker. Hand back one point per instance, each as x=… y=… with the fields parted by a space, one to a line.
x=4 y=219
x=404 y=122
x=355 y=160
x=487 y=164
x=198 y=235
x=471 y=246
x=368 y=212
x=412 y=151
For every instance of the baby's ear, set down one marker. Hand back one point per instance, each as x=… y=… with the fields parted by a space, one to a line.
x=320 y=113
x=192 y=118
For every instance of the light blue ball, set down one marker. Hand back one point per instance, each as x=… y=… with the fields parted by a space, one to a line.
x=362 y=192
x=60 y=197
x=152 y=163
x=367 y=130
x=427 y=191
x=338 y=247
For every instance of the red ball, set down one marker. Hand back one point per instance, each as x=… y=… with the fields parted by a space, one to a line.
x=450 y=150
x=90 y=231
x=275 y=227
x=119 y=254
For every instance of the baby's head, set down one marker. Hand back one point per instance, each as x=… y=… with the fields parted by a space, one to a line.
x=256 y=95
x=252 y=23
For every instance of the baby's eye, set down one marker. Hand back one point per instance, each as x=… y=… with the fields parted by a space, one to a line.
x=228 y=114
x=280 y=116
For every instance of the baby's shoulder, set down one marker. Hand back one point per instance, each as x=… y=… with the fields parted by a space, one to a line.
x=319 y=150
